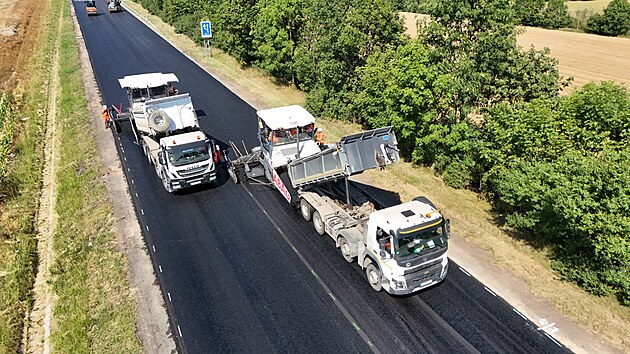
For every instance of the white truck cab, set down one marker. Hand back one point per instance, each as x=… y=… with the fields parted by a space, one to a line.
x=408 y=246
x=166 y=126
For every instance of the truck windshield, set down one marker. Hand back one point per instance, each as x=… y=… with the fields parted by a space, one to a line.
x=188 y=153
x=288 y=136
x=421 y=241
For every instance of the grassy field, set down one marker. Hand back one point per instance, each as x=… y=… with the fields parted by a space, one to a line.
x=94 y=312
x=471 y=215
x=20 y=195
x=597 y=6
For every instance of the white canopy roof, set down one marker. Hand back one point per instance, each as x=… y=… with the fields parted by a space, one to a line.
x=147 y=80
x=286 y=117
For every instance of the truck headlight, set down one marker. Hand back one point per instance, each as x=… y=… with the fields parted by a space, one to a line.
x=399 y=284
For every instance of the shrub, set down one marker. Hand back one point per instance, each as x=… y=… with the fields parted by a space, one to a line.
x=615 y=20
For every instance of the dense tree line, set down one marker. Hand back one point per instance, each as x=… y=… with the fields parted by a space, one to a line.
x=466 y=100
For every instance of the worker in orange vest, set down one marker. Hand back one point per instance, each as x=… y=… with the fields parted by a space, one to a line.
x=320 y=137
x=106 y=117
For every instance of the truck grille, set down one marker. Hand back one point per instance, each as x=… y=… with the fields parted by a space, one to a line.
x=424 y=275
x=194 y=171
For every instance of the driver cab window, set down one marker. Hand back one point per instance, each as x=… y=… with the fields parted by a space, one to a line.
x=158 y=92
x=384 y=240
x=139 y=94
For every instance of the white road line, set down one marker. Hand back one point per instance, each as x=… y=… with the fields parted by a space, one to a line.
x=520 y=314
x=147 y=227
x=132 y=182
x=555 y=341
x=465 y=272
x=160 y=268
x=547 y=326
x=142 y=211
x=153 y=248
x=179 y=330
x=136 y=194
x=169 y=297
x=490 y=291
x=128 y=170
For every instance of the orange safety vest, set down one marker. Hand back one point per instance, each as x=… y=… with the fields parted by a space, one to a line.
x=106 y=116
x=320 y=137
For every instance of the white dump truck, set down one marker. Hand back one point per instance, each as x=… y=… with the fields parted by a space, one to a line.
x=165 y=125
x=402 y=248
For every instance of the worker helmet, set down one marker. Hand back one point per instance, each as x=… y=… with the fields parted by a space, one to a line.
x=104 y=107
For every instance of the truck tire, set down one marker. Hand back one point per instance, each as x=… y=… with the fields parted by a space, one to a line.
x=306 y=210
x=374 y=277
x=318 y=223
x=233 y=172
x=344 y=248
x=165 y=183
x=159 y=120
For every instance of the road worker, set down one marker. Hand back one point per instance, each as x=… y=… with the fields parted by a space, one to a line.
x=106 y=117
x=320 y=138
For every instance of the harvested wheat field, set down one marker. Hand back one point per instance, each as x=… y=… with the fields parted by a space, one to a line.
x=585 y=57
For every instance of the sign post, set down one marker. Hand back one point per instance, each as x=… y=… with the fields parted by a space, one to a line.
x=206 y=35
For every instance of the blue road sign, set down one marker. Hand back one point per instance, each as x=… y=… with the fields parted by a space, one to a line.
x=206 y=29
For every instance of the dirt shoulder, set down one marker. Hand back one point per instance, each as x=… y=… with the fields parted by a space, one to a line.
x=513 y=270
x=153 y=329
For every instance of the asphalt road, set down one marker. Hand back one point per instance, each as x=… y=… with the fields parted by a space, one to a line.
x=242 y=272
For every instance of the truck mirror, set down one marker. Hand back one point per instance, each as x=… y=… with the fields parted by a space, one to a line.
x=161 y=159
x=447 y=224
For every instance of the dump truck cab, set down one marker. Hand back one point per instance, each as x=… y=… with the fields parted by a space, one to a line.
x=408 y=243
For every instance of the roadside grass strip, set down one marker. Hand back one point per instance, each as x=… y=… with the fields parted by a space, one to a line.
x=21 y=135
x=94 y=312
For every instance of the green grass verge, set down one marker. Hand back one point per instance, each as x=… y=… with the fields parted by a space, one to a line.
x=94 y=312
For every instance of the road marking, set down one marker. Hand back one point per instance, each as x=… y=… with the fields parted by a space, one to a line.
x=132 y=182
x=160 y=268
x=147 y=227
x=490 y=291
x=555 y=341
x=169 y=297
x=179 y=330
x=547 y=326
x=136 y=194
x=308 y=266
x=465 y=272
x=520 y=314
x=142 y=211
x=356 y=326
x=128 y=170
x=153 y=248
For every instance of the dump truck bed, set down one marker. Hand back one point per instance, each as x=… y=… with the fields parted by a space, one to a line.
x=352 y=155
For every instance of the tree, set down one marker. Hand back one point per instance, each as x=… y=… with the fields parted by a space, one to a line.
x=233 y=21
x=475 y=41
x=615 y=20
x=542 y=13
x=337 y=37
x=275 y=36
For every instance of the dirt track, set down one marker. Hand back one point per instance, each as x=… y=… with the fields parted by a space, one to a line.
x=583 y=56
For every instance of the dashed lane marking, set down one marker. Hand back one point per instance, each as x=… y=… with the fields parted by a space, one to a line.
x=179 y=330
x=490 y=291
x=153 y=248
x=147 y=227
x=142 y=211
x=136 y=194
x=160 y=268
x=465 y=272
x=553 y=340
x=520 y=314
x=169 y=297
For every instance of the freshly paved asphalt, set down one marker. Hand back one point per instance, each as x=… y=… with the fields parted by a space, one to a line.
x=242 y=272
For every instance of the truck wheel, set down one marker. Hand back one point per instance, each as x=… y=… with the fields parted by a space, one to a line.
x=167 y=185
x=306 y=210
x=318 y=223
x=344 y=247
x=374 y=276
x=233 y=174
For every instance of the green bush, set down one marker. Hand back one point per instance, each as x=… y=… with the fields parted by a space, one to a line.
x=615 y=20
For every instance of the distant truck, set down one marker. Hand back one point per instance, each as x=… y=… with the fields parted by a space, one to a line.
x=114 y=6
x=90 y=8
x=165 y=125
x=402 y=248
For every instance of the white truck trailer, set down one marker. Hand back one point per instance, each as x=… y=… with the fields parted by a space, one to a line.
x=165 y=125
x=402 y=248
